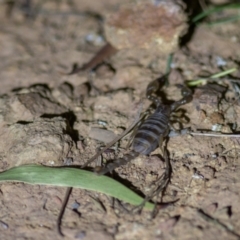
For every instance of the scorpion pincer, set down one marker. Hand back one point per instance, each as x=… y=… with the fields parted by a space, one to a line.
x=153 y=130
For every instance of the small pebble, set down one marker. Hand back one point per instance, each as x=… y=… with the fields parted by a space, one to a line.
x=220 y=61
x=103 y=135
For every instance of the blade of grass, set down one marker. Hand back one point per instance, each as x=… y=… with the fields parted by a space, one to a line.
x=72 y=177
x=196 y=82
x=214 y=10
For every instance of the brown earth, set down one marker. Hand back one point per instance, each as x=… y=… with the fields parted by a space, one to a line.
x=48 y=118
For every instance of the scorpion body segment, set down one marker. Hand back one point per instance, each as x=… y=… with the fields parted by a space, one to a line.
x=153 y=130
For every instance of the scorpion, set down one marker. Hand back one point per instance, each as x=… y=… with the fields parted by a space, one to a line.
x=149 y=135
x=153 y=130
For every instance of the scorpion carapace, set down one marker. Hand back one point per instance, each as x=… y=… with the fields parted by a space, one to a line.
x=153 y=130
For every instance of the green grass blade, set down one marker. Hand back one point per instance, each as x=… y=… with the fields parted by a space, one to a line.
x=192 y=83
x=72 y=177
x=214 y=10
x=223 y=73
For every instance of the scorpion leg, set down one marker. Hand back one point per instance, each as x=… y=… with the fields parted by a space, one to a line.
x=159 y=185
x=141 y=120
x=164 y=179
x=161 y=143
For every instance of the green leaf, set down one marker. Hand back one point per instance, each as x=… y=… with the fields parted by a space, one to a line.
x=72 y=177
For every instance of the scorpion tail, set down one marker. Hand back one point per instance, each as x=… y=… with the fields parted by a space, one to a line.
x=117 y=163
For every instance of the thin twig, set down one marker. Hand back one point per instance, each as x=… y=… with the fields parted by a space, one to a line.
x=214 y=134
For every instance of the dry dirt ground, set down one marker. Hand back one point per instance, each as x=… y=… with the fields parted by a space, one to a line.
x=51 y=118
